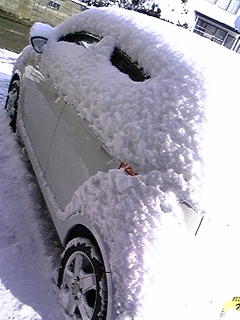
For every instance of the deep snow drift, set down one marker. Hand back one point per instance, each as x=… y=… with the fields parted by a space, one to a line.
x=27 y=247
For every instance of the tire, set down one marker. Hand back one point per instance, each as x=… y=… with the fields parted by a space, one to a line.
x=12 y=103
x=82 y=281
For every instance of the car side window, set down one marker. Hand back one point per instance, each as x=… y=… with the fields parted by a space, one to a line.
x=82 y=38
x=119 y=59
x=124 y=64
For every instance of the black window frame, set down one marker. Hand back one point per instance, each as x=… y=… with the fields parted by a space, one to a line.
x=124 y=64
x=85 y=36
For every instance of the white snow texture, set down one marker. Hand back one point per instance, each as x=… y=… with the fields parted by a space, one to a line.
x=159 y=128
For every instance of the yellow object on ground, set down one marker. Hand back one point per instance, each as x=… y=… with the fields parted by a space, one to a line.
x=232 y=305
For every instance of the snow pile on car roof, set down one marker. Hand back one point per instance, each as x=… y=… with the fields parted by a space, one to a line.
x=151 y=125
x=155 y=126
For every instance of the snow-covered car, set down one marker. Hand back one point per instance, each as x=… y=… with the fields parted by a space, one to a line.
x=114 y=108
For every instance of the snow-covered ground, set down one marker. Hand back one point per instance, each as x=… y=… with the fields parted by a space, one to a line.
x=29 y=246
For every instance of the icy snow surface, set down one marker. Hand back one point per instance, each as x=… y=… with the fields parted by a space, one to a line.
x=158 y=127
x=27 y=291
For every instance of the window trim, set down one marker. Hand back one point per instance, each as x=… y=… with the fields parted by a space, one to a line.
x=133 y=64
x=80 y=33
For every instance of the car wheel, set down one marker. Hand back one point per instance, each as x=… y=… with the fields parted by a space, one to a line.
x=82 y=281
x=12 y=103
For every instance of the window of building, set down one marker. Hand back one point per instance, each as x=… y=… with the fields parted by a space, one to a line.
x=237 y=46
x=210 y=31
x=214 y=33
x=229 y=41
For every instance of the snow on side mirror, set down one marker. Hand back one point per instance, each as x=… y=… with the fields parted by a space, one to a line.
x=39 y=35
x=38 y=43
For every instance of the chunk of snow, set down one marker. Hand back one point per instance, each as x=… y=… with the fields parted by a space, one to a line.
x=40 y=29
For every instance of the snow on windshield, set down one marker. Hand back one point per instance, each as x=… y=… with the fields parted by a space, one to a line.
x=159 y=128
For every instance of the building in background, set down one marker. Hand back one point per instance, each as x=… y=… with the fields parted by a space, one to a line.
x=219 y=21
x=49 y=11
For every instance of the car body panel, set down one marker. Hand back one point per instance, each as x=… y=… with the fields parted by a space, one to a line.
x=64 y=226
x=76 y=145
x=41 y=111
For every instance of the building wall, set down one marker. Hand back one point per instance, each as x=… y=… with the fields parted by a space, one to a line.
x=216 y=21
x=48 y=11
x=232 y=6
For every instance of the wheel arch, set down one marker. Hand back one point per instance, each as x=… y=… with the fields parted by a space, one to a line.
x=77 y=231
x=80 y=230
x=16 y=76
x=83 y=230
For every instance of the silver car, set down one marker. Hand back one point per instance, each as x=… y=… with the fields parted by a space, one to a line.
x=110 y=107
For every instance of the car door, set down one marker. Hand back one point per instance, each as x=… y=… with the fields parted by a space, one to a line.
x=77 y=154
x=41 y=112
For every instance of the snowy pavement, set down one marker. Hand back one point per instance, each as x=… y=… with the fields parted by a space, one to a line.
x=29 y=247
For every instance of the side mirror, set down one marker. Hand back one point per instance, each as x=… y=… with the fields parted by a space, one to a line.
x=38 y=43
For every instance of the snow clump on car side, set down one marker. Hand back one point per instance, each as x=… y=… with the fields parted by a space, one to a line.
x=150 y=253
